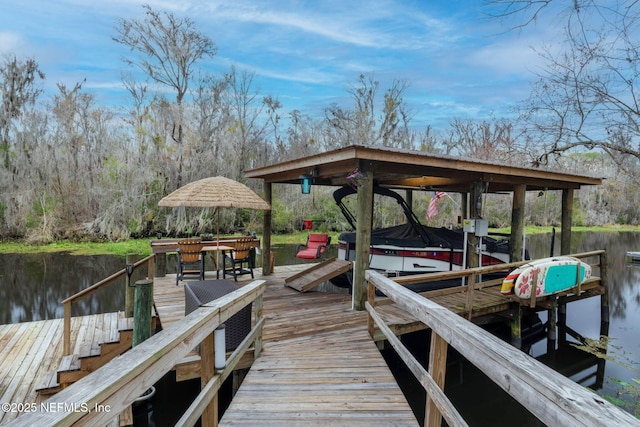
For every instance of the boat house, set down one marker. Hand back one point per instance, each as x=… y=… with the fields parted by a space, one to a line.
x=417 y=170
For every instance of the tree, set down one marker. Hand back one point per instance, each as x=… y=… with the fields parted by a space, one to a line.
x=485 y=140
x=588 y=94
x=168 y=50
x=18 y=80
x=366 y=123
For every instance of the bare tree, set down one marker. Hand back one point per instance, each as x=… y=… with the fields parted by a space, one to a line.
x=588 y=94
x=168 y=49
x=18 y=86
x=485 y=140
x=368 y=123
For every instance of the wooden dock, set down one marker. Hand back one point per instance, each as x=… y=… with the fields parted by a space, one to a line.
x=303 y=333
x=30 y=351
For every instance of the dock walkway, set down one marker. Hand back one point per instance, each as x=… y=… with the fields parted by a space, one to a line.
x=329 y=379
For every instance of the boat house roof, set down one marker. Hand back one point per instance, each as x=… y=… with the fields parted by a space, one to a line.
x=396 y=168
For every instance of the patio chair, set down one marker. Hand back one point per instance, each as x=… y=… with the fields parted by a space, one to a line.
x=316 y=245
x=202 y=292
x=241 y=255
x=190 y=259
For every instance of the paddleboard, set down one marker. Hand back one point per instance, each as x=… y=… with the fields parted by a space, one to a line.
x=552 y=275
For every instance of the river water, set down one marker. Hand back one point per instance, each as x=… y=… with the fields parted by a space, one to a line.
x=32 y=287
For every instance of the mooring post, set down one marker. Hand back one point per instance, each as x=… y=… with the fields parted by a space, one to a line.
x=516 y=326
x=161 y=265
x=130 y=290
x=551 y=331
x=142 y=311
x=604 y=298
x=562 y=324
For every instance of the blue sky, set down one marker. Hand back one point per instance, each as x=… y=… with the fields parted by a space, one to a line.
x=457 y=63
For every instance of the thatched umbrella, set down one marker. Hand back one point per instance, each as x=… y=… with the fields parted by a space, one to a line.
x=215 y=192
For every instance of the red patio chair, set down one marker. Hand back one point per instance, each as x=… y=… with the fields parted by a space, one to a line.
x=316 y=245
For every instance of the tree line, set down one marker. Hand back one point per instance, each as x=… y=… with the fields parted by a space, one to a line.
x=72 y=168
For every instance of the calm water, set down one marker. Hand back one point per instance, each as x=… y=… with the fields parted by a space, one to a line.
x=32 y=287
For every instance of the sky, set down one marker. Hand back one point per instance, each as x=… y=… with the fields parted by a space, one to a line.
x=456 y=62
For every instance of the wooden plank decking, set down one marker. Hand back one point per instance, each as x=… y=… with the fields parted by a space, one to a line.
x=30 y=351
x=329 y=379
x=302 y=334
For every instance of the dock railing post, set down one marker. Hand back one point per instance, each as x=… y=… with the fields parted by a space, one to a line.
x=257 y=345
x=371 y=299
x=207 y=371
x=66 y=332
x=130 y=290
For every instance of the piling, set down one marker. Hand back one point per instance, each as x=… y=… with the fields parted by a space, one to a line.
x=142 y=311
x=516 y=326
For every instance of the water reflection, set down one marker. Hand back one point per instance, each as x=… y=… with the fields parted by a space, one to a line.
x=32 y=286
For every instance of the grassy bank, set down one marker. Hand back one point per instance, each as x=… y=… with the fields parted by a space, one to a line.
x=142 y=247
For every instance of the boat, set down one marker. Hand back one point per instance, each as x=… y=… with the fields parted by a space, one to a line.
x=412 y=248
x=550 y=276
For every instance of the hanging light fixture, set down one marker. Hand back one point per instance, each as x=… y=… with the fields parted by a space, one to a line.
x=305 y=183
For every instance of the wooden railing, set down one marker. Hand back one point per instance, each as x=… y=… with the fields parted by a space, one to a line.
x=551 y=397
x=99 y=397
x=67 y=303
x=472 y=280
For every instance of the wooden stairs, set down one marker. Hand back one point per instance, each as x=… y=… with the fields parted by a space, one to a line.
x=97 y=343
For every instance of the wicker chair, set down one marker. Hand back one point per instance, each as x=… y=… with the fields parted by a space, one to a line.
x=242 y=254
x=201 y=292
x=190 y=259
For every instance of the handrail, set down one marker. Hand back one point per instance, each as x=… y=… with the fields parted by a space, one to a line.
x=66 y=304
x=103 y=394
x=471 y=276
x=551 y=397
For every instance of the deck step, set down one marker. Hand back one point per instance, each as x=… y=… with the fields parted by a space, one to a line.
x=105 y=346
x=319 y=273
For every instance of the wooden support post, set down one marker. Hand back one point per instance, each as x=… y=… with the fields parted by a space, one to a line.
x=160 y=265
x=604 y=298
x=438 y=371
x=516 y=326
x=551 y=331
x=266 y=232
x=371 y=299
x=471 y=287
x=464 y=206
x=142 y=311
x=363 y=240
x=210 y=413
x=517 y=222
x=257 y=345
x=151 y=268
x=562 y=324
x=66 y=332
x=475 y=211
x=129 y=291
x=567 y=214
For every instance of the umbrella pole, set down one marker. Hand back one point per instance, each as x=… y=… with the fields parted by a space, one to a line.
x=218 y=244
